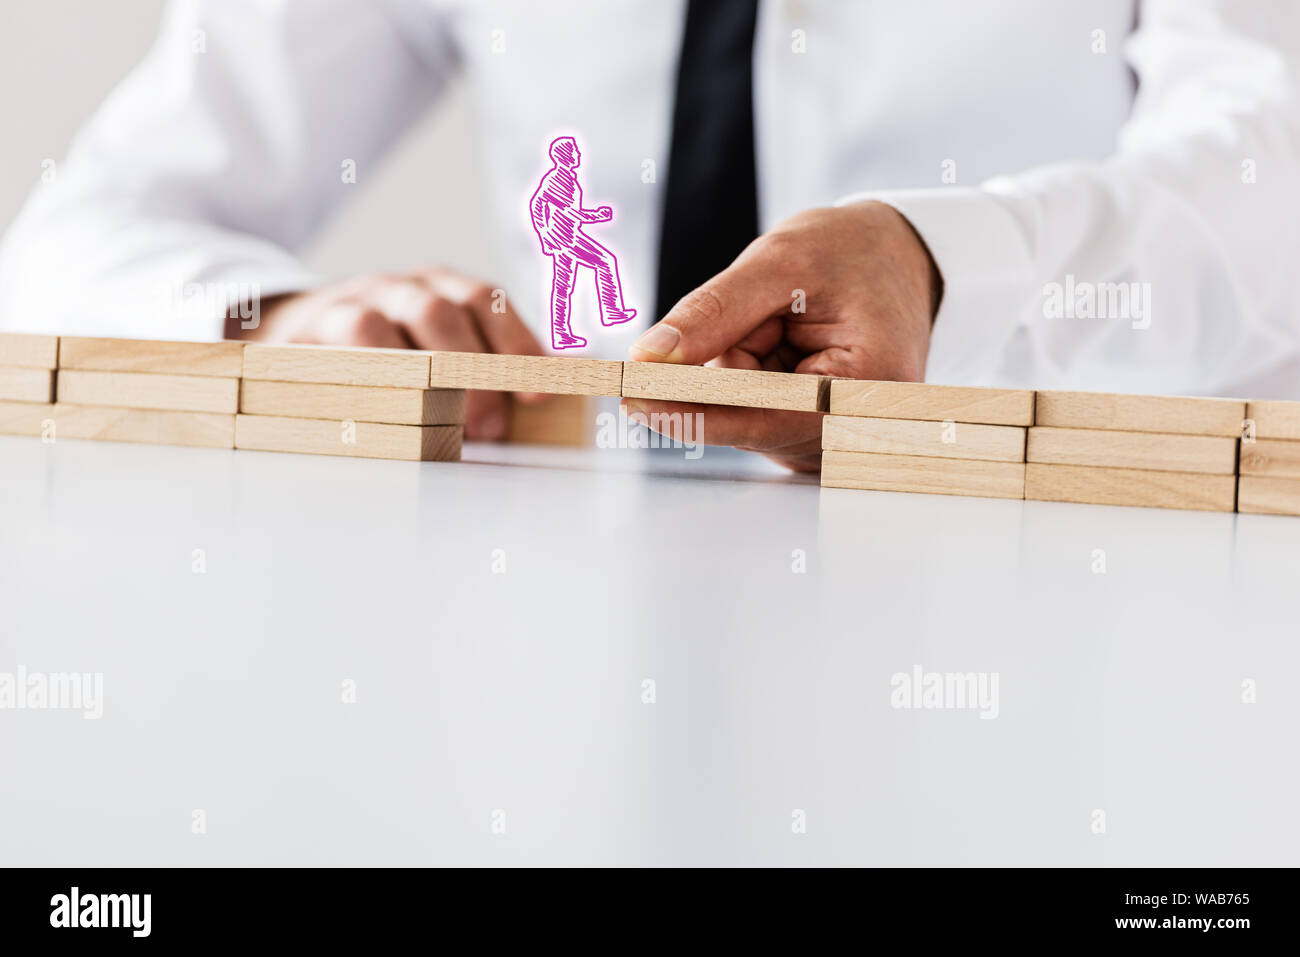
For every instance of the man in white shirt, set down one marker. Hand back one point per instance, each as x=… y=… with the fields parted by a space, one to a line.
x=1010 y=150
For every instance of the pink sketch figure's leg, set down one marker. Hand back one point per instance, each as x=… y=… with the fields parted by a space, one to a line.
x=562 y=283
x=609 y=288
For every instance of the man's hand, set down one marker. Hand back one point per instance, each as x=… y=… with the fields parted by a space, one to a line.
x=431 y=309
x=849 y=292
x=604 y=214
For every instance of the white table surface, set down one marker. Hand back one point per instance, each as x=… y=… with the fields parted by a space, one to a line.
x=521 y=692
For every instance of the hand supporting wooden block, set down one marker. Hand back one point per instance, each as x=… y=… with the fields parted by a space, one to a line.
x=1159 y=451
x=1110 y=486
x=147 y=355
x=1274 y=418
x=952 y=440
x=915 y=473
x=148 y=390
x=558 y=375
x=559 y=420
x=1279 y=458
x=394 y=368
x=28 y=350
x=668 y=382
x=360 y=403
x=427 y=443
x=1265 y=495
x=20 y=384
x=932 y=403
x=1183 y=415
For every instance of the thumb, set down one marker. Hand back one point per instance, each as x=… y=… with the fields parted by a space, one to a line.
x=712 y=318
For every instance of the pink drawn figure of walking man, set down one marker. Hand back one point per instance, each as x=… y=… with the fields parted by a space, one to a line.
x=558 y=218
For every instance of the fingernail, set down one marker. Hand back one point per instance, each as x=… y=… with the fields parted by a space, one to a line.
x=659 y=340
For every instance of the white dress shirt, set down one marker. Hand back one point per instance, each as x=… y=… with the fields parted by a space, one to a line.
x=1036 y=146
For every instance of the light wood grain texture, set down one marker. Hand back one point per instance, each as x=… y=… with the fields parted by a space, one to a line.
x=1275 y=457
x=148 y=390
x=361 y=403
x=558 y=375
x=1160 y=451
x=934 y=403
x=29 y=351
x=1264 y=495
x=560 y=420
x=394 y=368
x=148 y=355
x=18 y=384
x=1182 y=415
x=1274 y=418
x=1110 y=486
x=951 y=440
x=25 y=418
x=914 y=473
x=743 y=387
x=428 y=443
x=151 y=426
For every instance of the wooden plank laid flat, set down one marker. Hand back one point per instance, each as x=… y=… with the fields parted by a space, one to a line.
x=1274 y=418
x=559 y=420
x=395 y=368
x=1276 y=457
x=25 y=418
x=1184 y=415
x=558 y=375
x=150 y=426
x=1265 y=495
x=916 y=473
x=1159 y=451
x=360 y=403
x=28 y=350
x=933 y=403
x=428 y=443
x=1110 y=486
x=669 y=382
x=150 y=355
x=20 y=384
x=951 y=440
x=149 y=390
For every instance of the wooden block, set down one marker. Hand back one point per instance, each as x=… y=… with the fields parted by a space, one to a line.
x=1159 y=451
x=360 y=403
x=25 y=418
x=915 y=473
x=1263 y=495
x=560 y=420
x=148 y=355
x=19 y=384
x=151 y=426
x=553 y=374
x=950 y=440
x=744 y=387
x=394 y=368
x=428 y=443
x=1183 y=415
x=1274 y=418
x=29 y=351
x=148 y=390
x=933 y=403
x=1109 y=486
x=1274 y=457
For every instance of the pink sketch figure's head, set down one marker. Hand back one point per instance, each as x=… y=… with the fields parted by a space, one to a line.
x=558 y=216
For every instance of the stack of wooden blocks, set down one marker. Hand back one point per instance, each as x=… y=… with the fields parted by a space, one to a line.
x=913 y=437
x=1166 y=451
x=1270 y=459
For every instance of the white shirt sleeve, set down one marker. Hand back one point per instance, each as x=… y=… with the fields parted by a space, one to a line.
x=217 y=158
x=1199 y=207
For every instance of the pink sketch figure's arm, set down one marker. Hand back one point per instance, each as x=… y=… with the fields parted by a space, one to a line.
x=601 y=214
x=539 y=208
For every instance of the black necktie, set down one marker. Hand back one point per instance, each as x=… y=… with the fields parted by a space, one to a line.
x=711 y=206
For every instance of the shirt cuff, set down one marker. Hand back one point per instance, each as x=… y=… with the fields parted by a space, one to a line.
x=987 y=275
